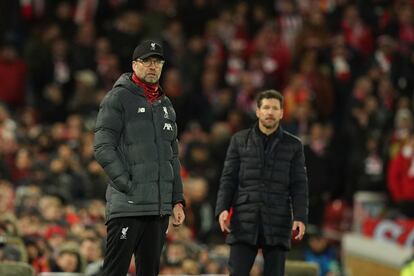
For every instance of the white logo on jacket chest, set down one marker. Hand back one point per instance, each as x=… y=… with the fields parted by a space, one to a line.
x=165 y=112
x=141 y=109
x=167 y=126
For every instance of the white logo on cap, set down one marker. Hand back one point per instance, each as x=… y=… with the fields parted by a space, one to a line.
x=152 y=46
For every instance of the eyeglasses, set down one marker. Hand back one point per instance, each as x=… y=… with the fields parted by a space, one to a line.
x=148 y=62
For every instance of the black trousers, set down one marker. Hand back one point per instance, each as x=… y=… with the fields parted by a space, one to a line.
x=242 y=257
x=142 y=236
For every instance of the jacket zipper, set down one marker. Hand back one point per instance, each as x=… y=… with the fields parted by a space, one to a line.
x=154 y=118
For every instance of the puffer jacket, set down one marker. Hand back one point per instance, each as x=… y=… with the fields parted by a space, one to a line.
x=263 y=187
x=136 y=144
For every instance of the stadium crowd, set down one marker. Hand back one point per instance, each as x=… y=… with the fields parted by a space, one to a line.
x=345 y=68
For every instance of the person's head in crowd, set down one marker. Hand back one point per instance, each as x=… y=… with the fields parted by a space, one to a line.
x=224 y=103
x=4 y=114
x=64 y=10
x=403 y=127
x=51 y=208
x=7 y=196
x=95 y=169
x=171 y=270
x=55 y=235
x=110 y=70
x=103 y=48
x=175 y=253
x=58 y=132
x=386 y=44
x=317 y=242
x=209 y=81
x=9 y=225
x=44 y=143
x=66 y=154
x=220 y=250
x=60 y=51
x=214 y=266
x=220 y=132
x=91 y=249
x=372 y=144
x=236 y=120
x=8 y=53
x=190 y=267
x=38 y=175
x=172 y=83
x=196 y=45
x=407 y=147
x=24 y=159
x=53 y=93
x=30 y=221
x=362 y=89
x=75 y=126
x=33 y=246
x=86 y=34
x=197 y=189
x=58 y=166
x=403 y=120
x=68 y=259
x=10 y=253
x=317 y=132
x=197 y=156
x=96 y=210
x=86 y=150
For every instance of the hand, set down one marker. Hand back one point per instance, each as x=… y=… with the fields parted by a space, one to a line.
x=224 y=222
x=300 y=228
x=178 y=215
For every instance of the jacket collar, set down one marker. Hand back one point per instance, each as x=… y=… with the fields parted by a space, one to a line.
x=259 y=142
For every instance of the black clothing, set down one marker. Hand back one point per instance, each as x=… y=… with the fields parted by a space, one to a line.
x=143 y=236
x=242 y=257
x=268 y=186
x=136 y=144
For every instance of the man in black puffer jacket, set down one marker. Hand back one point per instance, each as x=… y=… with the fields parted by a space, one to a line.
x=264 y=183
x=136 y=144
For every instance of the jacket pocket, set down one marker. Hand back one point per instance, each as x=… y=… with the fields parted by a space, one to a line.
x=143 y=193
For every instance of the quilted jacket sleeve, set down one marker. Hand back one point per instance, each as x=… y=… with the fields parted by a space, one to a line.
x=108 y=130
x=178 y=185
x=299 y=186
x=229 y=178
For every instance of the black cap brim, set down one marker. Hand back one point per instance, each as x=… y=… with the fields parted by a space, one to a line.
x=151 y=55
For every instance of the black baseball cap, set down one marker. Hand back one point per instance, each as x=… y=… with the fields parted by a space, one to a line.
x=146 y=49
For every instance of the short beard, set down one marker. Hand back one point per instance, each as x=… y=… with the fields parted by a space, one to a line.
x=270 y=126
x=152 y=81
x=267 y=126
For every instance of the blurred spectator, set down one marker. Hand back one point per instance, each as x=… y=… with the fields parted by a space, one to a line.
x=318 y=250
x=401 y=178
x=67 y=259
x=321 y=170
x=13 y=72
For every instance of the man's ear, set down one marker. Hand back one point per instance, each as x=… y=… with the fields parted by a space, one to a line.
x=134 y=65
x=257 y=112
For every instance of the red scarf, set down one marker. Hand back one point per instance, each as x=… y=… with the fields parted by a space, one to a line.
x=151 y=91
